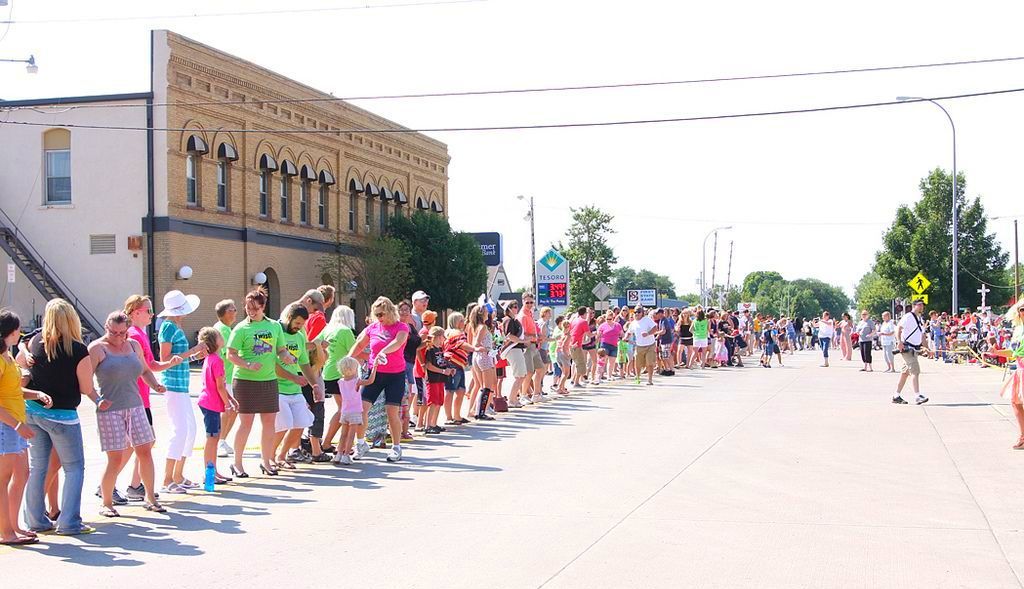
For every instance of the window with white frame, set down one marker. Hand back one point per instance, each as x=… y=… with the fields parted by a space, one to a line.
x=304 y=202
x=264 y=193
x=321 y=206
x=192 y=179
x=286 y=196
x=57 y=166
x=222 y=185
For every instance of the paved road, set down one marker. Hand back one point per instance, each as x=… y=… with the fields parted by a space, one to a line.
x=790 y=477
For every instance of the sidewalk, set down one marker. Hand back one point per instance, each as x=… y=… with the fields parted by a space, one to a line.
x=797 y=476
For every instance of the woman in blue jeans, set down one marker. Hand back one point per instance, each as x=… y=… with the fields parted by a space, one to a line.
x=61 y=368
x=826 y=332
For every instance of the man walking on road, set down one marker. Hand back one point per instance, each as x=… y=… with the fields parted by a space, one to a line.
x=645 y=335
x=910 y=343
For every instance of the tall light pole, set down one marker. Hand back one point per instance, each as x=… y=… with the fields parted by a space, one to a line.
x=533 y=245
x=31 y=68
x=956 y=210
x=704 y=263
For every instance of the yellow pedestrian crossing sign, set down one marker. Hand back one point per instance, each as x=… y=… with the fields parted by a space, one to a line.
x=919 y=283
x=920 y=297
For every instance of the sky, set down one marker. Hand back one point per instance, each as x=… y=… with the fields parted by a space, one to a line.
x=807 y=195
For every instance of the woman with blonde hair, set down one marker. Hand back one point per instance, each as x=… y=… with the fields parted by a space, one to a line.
x=1013 y=389
x=386 y=337
x=482 y=340
x=61 y=369
x=456 y=351
x=339 y=337
x=139 y=309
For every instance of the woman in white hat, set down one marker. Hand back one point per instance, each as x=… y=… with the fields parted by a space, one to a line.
x=176 y=378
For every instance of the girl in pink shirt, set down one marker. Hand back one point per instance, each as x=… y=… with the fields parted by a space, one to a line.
x=215 y=397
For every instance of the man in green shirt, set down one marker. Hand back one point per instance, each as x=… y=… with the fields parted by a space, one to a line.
x=294 y=415
x=226 y=314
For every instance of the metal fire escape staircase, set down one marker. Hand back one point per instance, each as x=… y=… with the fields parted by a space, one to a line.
x=42 y=275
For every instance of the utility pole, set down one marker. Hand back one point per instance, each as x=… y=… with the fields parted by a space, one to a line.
x=1016 y=264
x=728 y=277
x=714 y=261
x=533 y=245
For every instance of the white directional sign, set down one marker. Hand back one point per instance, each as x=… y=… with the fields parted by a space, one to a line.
x=601 y=291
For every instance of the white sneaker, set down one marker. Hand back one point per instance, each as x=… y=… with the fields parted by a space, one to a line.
x=343 y=459
x=524 y=400
x=537 y=399
x=396 y=453
x=921 y=399
x=362 y=449
x=224 y=450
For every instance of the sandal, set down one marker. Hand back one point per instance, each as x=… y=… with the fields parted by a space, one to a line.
x=287 y=465
x=20 y=541
x=321 y=458
x=107 y=511
x=1019 y=445
x=329 y=449
x=462 y=421
x=451 y=422
x=155 y=508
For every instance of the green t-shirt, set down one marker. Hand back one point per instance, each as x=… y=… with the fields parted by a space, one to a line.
x=295 y=343
x=229 y=368
x=700 y=329
x=339 y=341
x=257 y=342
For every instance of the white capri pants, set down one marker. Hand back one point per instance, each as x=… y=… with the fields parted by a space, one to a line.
x=294 y=413
x=183 y=422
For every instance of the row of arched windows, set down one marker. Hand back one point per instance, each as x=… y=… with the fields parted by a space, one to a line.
x=277 y=177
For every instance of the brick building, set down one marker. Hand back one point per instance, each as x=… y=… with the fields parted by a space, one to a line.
x=97 y=214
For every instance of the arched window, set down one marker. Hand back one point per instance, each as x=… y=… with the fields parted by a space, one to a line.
x=304 y=202
x=267 y=167
x=57 y=161
x=287 y=171
x=326 y=181
x=225 y=155
x=194 y=150
x=372 y=192
x=355 y=187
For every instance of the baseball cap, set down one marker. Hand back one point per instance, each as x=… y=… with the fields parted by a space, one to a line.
x=419 y=294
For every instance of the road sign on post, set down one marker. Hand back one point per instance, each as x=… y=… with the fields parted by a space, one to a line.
x=920 y=297
x=601 y=291
x=553 y=280
x=919 y=283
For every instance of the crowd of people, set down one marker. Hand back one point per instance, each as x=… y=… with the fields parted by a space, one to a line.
x=407 y=372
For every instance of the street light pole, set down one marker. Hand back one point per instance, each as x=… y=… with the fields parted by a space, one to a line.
x=533 y=245
x=956 y=210
x=704 y=264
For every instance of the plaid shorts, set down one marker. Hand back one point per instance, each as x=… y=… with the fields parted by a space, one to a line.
x=124 y=428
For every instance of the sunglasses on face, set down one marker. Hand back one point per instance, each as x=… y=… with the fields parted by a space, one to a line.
x=117 y=333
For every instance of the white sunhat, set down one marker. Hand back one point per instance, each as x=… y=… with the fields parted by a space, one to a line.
x=178 y=304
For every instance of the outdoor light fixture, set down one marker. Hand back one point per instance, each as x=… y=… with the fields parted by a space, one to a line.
x=185 y=272
x=259 y=278
x=31 y=68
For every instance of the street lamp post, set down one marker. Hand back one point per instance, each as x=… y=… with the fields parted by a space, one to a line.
x=31 y=68
x=704 y=263
x=533 y=245
x=956 y=210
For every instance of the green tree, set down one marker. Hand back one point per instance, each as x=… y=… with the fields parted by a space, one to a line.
x=920 y=240
x=382 y=269
x=755 y=280
x=448 y=265
x=874 y=293
x=624 y=278
x=590 y=258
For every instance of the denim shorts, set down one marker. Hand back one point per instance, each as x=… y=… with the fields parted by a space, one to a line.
x=211 y=420
x=457 y=381
x=10 y=441
x=409 y=377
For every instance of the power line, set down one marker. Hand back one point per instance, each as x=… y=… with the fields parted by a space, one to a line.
x=568 y=88
x=400 y=131
x=734 y=221
x=983 y=281
x=239 y=13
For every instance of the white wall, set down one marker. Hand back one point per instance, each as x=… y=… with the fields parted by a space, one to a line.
x=108 y=187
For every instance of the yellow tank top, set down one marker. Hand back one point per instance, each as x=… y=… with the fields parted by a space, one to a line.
x=11 y=398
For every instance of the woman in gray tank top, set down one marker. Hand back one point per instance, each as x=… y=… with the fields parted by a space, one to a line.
x=123 y=427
